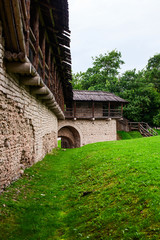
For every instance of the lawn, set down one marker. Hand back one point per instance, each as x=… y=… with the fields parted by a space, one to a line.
x=129 y=135
x=101 y=191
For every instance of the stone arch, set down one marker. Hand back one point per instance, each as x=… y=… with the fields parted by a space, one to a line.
x=70 y=137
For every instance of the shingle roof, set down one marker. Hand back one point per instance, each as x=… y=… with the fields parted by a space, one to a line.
x=99 y=96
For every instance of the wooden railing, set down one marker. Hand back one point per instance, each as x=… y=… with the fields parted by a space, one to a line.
x=88 y=113
x=143 y=128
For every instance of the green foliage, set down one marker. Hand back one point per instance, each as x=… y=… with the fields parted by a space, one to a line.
x=144 y=100
x=102 y=75
x=156 y=119
x=153 y=71
x=101 y=191
x=76 y=81
x=158 y=131
x=141 y=89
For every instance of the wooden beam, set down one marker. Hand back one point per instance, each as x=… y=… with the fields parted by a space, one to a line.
x=21 y=68
x=27 y=10
x=43 y=53
x=74 y=106
x=11 y=26
x=49 y=66
x=15 y=56
x=42 y=90
x=36 y=33
x=109 y=109
x=47 y=97
x=32 y=81
x=93 y=109
x=18 y=25
x=5 y=25
x=122 y=109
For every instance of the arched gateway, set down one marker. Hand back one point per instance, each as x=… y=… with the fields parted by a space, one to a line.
x=70 y=137
x=90 y=117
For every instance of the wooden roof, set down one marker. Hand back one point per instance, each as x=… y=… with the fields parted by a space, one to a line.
x=98 y=96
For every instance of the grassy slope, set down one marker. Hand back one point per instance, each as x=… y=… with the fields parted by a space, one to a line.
x=101 y=191
x=129 y=135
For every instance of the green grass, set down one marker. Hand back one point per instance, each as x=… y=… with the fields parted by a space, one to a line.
x=129 y=135
x=59 y=143
x=157 y=130
x=101 y=191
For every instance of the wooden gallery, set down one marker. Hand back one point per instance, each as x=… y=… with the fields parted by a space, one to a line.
x=37 y=103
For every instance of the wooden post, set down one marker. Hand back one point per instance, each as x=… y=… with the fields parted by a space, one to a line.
x=36 y=32
x=74 y=109
x=52 y=82
x=55 y=82
x=93 y=109
x=11 y=25
x=5 y=24
x=121 y=109
x=109 y=109
x=18 y=25
x=27 y=26
x=43 y=52
x=49 y=67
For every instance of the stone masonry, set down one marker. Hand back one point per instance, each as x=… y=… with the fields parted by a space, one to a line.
x=92 y=131
x=28 y=129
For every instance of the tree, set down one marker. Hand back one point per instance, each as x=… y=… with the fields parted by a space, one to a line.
x=152 y=73
x=103 y=75
x=143 y=98
x=141 y=89
x=156 y=120
x=76 y=81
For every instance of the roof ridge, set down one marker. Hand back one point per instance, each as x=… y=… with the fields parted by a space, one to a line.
x=76 y=90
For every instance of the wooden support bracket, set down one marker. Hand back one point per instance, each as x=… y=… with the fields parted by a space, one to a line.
x=34 y=81
x=21 y=68
x=42 y=90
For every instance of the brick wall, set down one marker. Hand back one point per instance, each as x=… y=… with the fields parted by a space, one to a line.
x=28 y=129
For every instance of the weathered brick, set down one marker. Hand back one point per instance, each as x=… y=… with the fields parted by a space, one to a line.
x=28 y=129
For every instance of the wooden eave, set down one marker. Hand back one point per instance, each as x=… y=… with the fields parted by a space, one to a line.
x=96 y=96
x=13 y=14
x=57 y=27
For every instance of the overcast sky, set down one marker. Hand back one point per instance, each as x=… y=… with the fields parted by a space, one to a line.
x=98 y=26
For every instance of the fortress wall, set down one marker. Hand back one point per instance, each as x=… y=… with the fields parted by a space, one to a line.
x=93 y=131
x=28 y=129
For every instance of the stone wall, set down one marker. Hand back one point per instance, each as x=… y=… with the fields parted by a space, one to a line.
x=92 y=131
x=28 y=129
x=122 y=125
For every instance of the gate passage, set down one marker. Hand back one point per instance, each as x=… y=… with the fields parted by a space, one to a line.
x=70 y=137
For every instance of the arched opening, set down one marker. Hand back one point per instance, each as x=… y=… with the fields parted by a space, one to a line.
x=70 y=137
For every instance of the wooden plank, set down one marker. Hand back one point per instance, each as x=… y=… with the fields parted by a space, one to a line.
x=5 y=26
x=28 y=30
x=43 y=53
x=109 y=109
x=93 y=109
x=11 y=26
x=18 y=25
x=36 y=33
x=122 y=109
x=74 y=105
